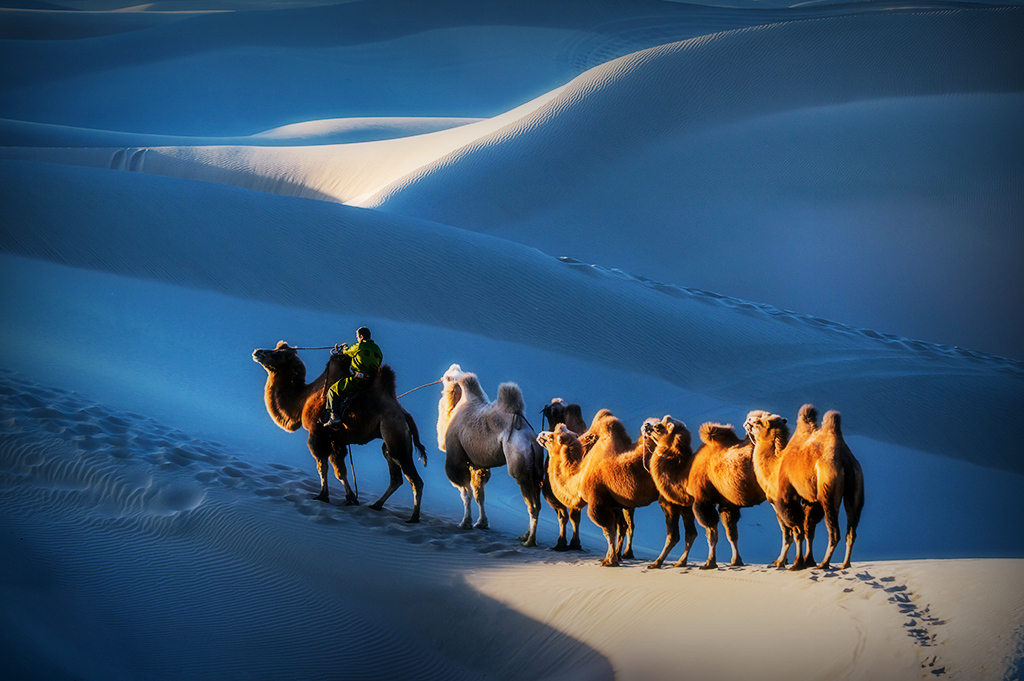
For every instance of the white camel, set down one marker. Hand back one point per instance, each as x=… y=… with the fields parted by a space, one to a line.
x=477 y=435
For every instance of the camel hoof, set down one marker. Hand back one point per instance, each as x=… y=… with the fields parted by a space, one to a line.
x=376 y=507
x=321 y=497
x=561 y=545
x=709 y=566
x=656 y=565
x=575 y=545
x=351 y=501
x=679 y=564
x=530 y=543
x=737 y=563
x=628 y=554
x=414 y=519
x=465 y=525
x=608 y=562
x=823 y=566
x=481 y=526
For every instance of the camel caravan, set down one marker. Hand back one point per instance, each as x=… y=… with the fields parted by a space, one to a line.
x=806 y=475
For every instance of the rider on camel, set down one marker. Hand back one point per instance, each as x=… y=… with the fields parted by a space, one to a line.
x=366 y=358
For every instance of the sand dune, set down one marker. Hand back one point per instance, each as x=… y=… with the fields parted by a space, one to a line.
x=148 y=530
x=653 y=207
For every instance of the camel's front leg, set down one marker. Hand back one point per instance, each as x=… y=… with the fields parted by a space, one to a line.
x=479 y=477
x=319 y=447
x=531 y=497
x=324 y=495
x=671 y=512
x=341 y=473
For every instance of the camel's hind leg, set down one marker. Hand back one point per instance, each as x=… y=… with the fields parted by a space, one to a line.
x=607 y=518
x=832 y=499
x=707 y=515
x=813 y=513
x=396 y=468
x=853 y=502
x=690 y=534
x=629 y=524
x=730 y=518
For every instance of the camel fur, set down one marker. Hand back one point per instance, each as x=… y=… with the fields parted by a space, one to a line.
x=611 y=479
x=719 y=479
x=809 y=476
x=559 y=411
x=477 y=435
x=372 y=414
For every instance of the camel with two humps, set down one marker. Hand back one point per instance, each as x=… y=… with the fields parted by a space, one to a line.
x=478 y=435
x=373 y=414
x=556 y=412
x=606 y=471
x=809 y=476
x=717 y=480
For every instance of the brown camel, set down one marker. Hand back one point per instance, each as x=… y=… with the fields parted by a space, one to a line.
x=611 y=479
x=558 y=411
x=669 y=465
x=718 y=478
x=809 y=476
x=374 y=413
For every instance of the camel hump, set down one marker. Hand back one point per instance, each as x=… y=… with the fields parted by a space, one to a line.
x=387 y=381
x=833 y=423
x=719 y=433
x=510 y=398
x=808 y=416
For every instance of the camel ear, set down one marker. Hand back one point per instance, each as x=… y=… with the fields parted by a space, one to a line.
x=588 y=440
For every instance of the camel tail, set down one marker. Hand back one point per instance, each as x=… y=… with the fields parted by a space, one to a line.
x=510 y=398
x=833 y=423
x=416 y=437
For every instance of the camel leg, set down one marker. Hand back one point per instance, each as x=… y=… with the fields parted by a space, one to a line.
x=690 y=536
x=575 y=515
x=341 y=473
x=799 y=560
x=531 y=497
x=561 y=511
x=671 y=512
x=787 y=541
x=395 y=471
x=832 y=522
x=479 y=477
x=730 y=517
x=629 y=514
x=813 y=513
x=707 y=515
x=320 y=447
x=607 y=518
x=853 y=502
x=457 y=470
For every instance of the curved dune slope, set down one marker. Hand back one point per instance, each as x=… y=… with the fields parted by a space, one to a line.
x=615 y=110
x=413 y=270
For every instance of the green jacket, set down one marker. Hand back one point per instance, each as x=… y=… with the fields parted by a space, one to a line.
x=366 y=357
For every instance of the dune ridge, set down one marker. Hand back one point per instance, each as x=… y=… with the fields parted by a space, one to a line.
x=774 y=358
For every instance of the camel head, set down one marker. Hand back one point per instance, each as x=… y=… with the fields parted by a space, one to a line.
x=762 y=426
x=283 y=360
x=667 y=435
x=561 y=443
x=559 y=411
